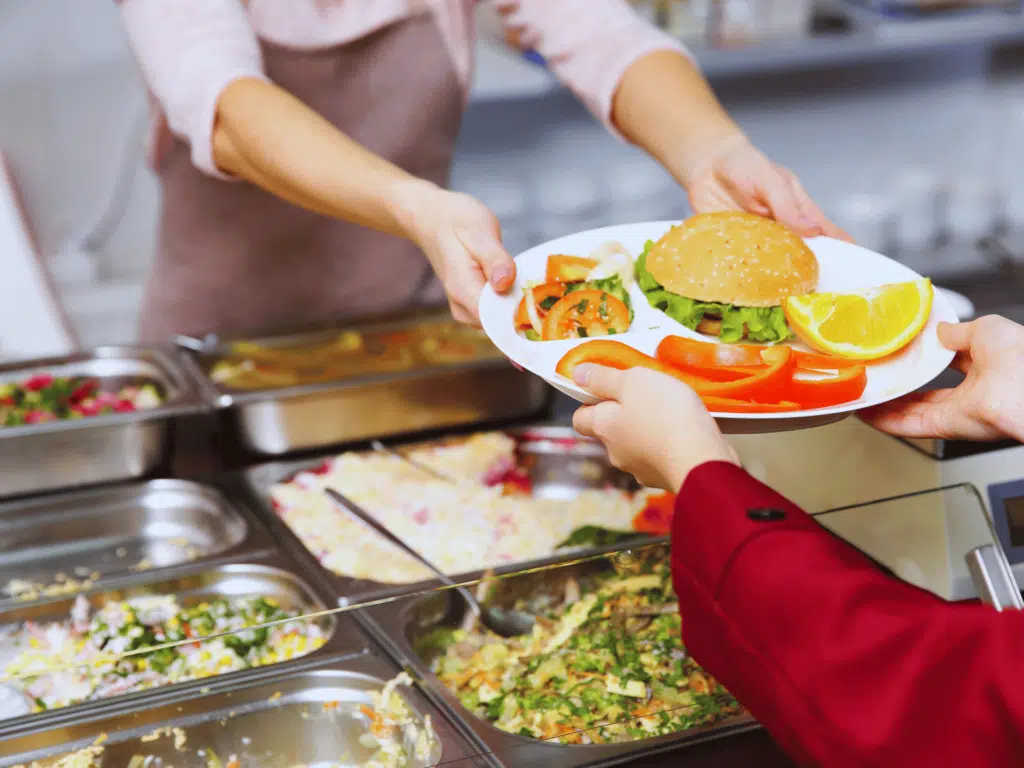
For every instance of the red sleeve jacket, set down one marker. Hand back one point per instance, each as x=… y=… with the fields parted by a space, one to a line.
x=843 y=664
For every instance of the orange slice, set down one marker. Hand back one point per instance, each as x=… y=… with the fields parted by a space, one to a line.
x=862 y=326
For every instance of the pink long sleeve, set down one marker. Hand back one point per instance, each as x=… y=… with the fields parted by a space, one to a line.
x=189 y=52
x=589 y=44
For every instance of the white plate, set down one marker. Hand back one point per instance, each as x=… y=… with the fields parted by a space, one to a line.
x=844 y=267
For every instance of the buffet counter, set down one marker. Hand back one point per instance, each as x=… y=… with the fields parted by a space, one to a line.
x=201 y=601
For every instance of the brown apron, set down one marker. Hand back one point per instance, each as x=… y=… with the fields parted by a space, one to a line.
x=232 y=258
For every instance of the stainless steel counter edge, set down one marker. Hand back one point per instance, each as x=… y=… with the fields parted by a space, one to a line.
x=387 y=623
x=456 y=748
x=345 y=628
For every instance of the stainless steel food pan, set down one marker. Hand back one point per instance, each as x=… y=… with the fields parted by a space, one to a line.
x=424 y=397
x=559 y=463
x=401 y=625
x=275 y=723
x=97 y=449
x=63 y=544
x=267 y=577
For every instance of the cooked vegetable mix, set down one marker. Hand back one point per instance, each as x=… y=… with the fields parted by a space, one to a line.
x=253 y=366
x=605 y=667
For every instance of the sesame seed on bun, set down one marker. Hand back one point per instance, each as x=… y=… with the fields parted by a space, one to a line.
x=733 y=258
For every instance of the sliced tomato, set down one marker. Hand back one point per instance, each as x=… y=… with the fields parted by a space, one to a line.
x=656 y=517
x=584 y=313
x=568 y=269
x=845 y=387
x=615 y=354
x=813 y=361
x=545 y=295
x=727 y=405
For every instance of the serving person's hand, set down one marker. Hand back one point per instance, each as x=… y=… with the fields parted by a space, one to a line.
x=462 y=240
x=733 y=174
x=654 y=427
x=987 y=405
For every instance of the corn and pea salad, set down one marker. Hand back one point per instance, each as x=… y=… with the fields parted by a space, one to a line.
x=40 y=654
x=605 y=667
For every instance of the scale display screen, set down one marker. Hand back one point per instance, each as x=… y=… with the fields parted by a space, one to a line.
x=1015 y=520
x=1007 y=505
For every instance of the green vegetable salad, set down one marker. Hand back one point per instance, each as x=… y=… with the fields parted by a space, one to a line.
x=605 y=667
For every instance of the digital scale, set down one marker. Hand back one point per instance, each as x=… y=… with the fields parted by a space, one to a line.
x=996 y=470
x=946 y=516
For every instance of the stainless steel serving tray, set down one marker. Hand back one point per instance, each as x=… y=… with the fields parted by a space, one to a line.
x=272 y=723
x=399 y=626
x=100 y=537
x=273 y=422
x=97 y=449
x=271 y=576
x=559 y=463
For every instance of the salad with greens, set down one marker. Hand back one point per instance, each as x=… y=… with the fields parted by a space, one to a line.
x=603 y=666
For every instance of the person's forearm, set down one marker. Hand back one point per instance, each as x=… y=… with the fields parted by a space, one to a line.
x=664 y=104
x=268 y=137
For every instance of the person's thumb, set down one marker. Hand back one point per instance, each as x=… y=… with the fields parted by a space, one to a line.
x=956 y=337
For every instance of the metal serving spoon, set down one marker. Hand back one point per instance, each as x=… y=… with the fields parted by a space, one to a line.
x=379 y=447
x=507 y=623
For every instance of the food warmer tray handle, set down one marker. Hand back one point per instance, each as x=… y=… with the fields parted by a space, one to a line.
x=993 y=578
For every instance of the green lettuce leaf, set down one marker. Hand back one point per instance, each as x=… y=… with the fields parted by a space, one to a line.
x=765 y=324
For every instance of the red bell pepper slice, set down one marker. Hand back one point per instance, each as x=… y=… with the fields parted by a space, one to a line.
x=615 y=354
x=813 y=361
x=568 y=269
x=765 y=386
x=845 y=387
x=725 y=405
x=706 y=359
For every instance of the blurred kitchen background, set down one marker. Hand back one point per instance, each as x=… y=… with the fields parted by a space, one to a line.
x=904 y=119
